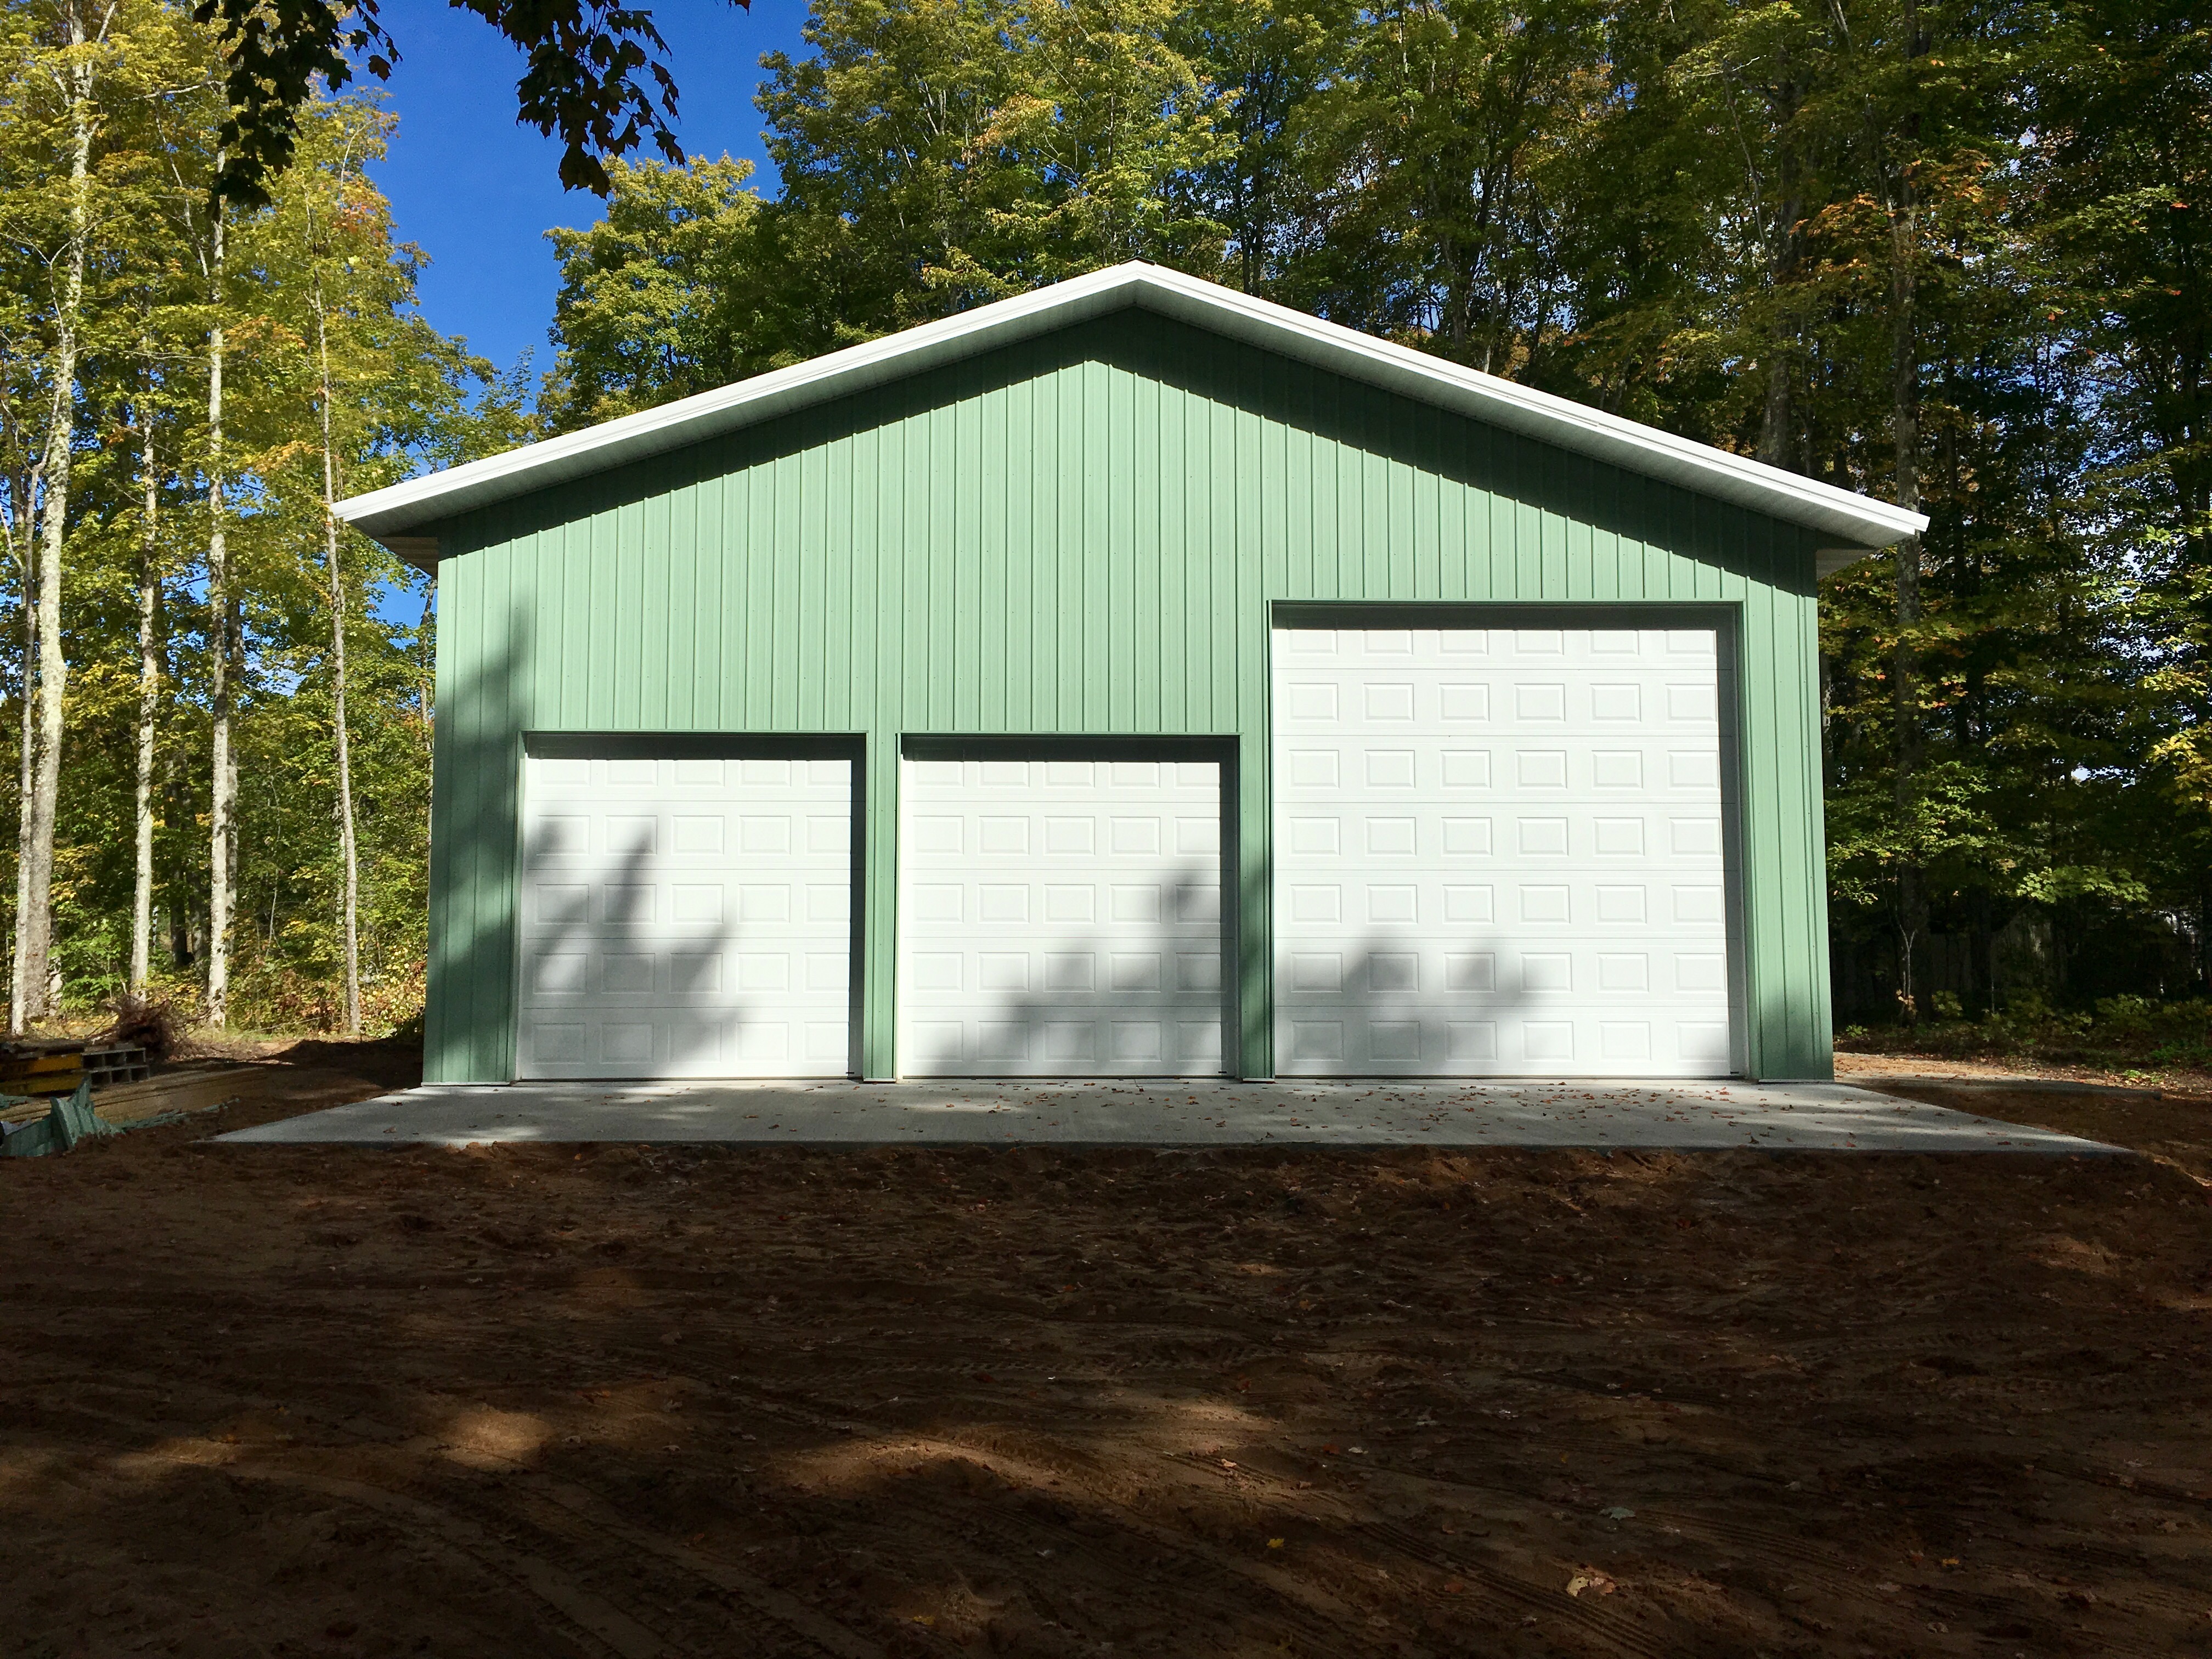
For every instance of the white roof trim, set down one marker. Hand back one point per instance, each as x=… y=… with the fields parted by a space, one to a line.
x=1856 y=522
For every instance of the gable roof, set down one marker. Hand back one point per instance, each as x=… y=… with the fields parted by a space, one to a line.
x=399 y=514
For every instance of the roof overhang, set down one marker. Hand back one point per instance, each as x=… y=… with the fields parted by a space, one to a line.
x=400 y=515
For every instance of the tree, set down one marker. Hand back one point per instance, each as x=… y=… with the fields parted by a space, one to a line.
x=1435 y=218
x=209 y=622
x=73 y=68
x=672 y=293
x=939 y=153
x=1263 y=65
x=594 y=77
x=2124 y=170
x=347 y=388
x=83 y=78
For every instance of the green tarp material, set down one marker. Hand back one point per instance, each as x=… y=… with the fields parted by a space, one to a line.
x=71 y=1119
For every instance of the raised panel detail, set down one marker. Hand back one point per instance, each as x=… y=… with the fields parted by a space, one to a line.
x=1573 y=921
x=1086 y=937
x=692 y=917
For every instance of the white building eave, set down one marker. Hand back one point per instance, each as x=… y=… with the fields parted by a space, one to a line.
x=1853 y=524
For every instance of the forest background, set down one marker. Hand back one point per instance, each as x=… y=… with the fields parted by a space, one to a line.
x=1951 y=254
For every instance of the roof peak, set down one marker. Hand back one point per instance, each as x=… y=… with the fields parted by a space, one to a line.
x=399 y=514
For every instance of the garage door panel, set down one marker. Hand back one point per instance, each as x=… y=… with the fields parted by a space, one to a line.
x=1462 y=1041
x=1502 y=854
x=1060 y=916
x=687 y=916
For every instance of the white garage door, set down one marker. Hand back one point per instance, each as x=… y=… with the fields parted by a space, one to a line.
x=684 y=917
x=1499 y=852
x=1060 y=917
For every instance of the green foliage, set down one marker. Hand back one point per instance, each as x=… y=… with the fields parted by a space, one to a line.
x=1953 y=252
x=660 y=299
x=594 y=77
x=2136 y=1037
x=1779 y=228
x=403 y=396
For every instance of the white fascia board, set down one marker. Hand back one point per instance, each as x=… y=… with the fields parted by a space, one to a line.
x=1858 y=523
x=420 y=502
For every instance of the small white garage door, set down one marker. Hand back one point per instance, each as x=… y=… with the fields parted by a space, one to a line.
x=685 y=915
x=1499 y=852
x=1060 y=916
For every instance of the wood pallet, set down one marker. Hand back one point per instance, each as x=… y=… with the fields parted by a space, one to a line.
x=41 y=1068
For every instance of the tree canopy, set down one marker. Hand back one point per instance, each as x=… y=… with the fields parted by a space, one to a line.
x=594 y=76
x=1948 y=252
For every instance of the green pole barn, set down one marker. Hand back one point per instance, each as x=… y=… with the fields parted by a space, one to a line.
x=1130 y=678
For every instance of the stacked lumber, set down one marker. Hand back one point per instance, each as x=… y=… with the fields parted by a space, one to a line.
x=41 y=1068
x=186 y=1089
x=178 y=1092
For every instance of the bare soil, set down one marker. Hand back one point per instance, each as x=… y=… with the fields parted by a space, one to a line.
x=2169 y=1053
x=546 y=1401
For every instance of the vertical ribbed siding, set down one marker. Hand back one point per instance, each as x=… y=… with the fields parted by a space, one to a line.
x=1084 y=534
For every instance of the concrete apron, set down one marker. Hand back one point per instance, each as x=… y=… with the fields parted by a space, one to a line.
x=1167 y=1112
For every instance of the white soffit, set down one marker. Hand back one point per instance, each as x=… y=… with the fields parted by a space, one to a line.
x=1859 y=524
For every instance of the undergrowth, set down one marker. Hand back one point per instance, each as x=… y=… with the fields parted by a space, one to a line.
x=2134 y=1036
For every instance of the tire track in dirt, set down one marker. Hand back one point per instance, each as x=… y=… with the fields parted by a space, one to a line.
x=763 y=1602
x=1320 y=1615
x=614 y=1629
x=1833 y=1574
x=629 y=1636
x=1607 y=1629
x=1612 y=1631
x=1306 y=1612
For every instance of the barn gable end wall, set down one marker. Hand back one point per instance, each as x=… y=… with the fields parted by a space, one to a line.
x=1086 y=532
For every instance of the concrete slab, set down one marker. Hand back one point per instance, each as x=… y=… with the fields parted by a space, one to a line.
x=1154 y=1112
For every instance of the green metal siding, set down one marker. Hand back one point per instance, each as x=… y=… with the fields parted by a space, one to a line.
x=1083 y=534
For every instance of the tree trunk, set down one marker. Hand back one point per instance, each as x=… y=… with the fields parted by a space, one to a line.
x=222 y=614
x=1785 y=242
x=149 y=685
x=26 y=490
x=346 y=840
x=1902 y=205
x=35 y=922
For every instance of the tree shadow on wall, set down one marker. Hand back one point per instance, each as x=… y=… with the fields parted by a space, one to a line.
x=1098 y=1003
x=599 y=942
x=1386 y=1007
x=479 y=876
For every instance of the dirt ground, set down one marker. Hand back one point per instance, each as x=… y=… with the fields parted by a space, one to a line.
x=539 y=1401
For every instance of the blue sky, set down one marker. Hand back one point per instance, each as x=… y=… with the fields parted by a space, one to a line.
x=477 y=192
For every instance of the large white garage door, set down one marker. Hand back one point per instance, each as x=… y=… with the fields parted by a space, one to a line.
x=684 y=917
x=1060 y=917
x=1499 y=852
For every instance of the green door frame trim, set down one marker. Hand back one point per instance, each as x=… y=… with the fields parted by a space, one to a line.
x=1247 y=813
x=1222 y=749
x=1723 y=616
x=850 y=746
